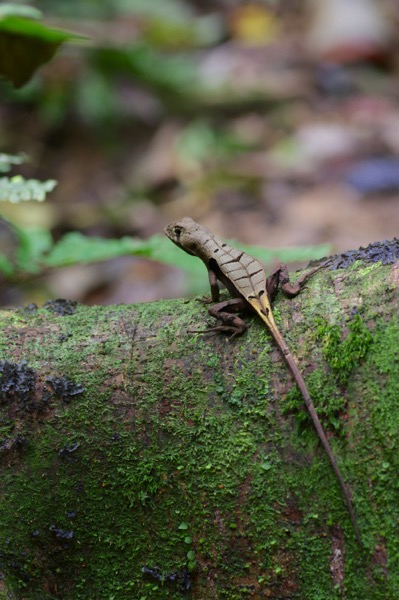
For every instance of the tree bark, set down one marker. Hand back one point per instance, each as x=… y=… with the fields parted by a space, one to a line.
x=138 y=460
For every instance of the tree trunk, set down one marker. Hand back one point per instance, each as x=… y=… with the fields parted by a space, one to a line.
x=141 y=461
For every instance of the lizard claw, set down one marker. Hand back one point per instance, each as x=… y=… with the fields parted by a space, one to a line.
x=204 y=300
x=235 y=332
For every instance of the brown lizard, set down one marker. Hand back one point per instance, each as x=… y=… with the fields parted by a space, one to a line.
x=246 y=280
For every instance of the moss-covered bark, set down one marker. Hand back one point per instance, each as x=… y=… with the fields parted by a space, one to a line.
x=187 y=464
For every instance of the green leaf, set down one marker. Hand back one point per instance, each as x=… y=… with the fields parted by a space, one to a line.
x=6 y=160
x=6 y=266
x=183 y=526
x=17 y=189
x=169 y=76
x=96 y=98
x=266 y=466
x=21 y=10
x=36 y=251
x=76 y=248
x=158 y=247
x=191 y=555
x=33 y=245
x=25 y=43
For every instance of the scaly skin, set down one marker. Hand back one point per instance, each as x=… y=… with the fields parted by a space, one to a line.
x=246 y=281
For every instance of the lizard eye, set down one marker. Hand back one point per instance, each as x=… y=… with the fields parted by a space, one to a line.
x=177 y=231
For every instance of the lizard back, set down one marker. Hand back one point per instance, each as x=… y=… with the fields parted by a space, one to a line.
x=243 y=270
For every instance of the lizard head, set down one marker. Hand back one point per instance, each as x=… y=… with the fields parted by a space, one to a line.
x=185 y=234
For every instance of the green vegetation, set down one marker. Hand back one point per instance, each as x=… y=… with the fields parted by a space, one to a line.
x=137 y=461
x=36 y=251
x=25 y=42
x=185 y=471
x=344 y=356
x=151 y=60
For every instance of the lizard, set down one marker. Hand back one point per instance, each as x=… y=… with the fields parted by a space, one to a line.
x=247 y=283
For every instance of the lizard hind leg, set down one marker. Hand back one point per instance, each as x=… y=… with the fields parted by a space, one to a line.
x=280 y=277
x=226 y=313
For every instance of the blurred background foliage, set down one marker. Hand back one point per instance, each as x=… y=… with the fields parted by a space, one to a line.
x=272 y=122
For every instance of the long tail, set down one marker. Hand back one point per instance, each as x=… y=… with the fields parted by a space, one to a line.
x=269 y=320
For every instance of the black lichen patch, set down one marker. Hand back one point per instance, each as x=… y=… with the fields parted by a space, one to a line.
x=386 y=252
x=64 y=337
x=15 y=562
x=181 y=578
x=30 y=309
x=63 y=388
x=62 y=534
x=61 y=307
x=67 y=452
x=16 y=443
x=17 y=382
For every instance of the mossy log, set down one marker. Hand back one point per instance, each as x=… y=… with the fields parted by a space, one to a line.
x=141 y=461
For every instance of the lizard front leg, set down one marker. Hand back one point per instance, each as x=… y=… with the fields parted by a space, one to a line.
x=226 y=313
x=214 y=285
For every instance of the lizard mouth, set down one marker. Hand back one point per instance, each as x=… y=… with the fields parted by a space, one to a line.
x=176 y=240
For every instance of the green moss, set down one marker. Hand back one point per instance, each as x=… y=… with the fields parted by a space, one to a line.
x=344 y=355
x=144 y=458
x=208 y=469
